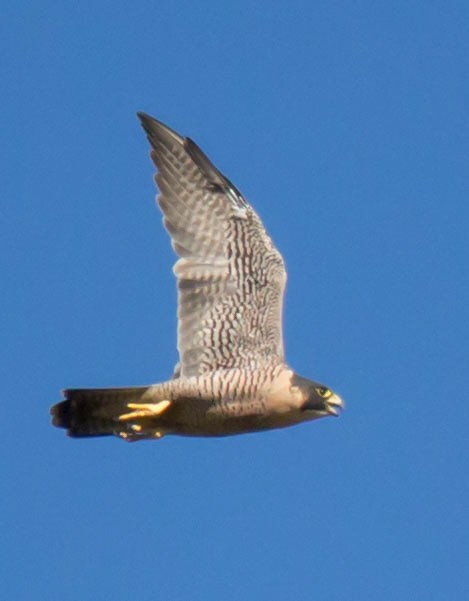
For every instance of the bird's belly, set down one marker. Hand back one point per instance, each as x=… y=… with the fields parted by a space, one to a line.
x=229 y=420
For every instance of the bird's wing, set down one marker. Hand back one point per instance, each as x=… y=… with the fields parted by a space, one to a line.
x=231 y=278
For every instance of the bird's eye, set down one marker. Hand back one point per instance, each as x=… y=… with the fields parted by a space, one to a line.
x=324 y=392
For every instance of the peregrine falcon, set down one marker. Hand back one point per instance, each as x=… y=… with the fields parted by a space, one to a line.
x=232 y=376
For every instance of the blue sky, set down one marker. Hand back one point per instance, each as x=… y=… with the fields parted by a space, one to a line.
x=346 y=126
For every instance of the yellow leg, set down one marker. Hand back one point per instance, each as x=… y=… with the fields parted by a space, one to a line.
x=137 y=434
x=144 y=410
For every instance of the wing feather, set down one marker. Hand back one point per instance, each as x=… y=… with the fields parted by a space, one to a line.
x=231 y=278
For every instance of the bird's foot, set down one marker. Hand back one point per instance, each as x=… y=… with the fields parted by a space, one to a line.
x=142 y=410
x=136 y=432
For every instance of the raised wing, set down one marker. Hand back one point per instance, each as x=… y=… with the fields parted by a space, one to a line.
x=231 y=278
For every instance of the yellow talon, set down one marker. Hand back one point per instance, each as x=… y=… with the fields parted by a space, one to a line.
x=137 y=433
x=144 y=410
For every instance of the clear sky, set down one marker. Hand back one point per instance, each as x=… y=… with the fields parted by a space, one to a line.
x=345 y=124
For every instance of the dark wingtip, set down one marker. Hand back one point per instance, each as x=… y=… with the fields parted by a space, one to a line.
x=144 y=118
x=157 y=131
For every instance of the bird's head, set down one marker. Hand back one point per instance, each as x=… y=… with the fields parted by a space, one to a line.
x=319 y=400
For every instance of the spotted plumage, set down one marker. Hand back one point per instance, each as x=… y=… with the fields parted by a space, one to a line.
x=231 y=376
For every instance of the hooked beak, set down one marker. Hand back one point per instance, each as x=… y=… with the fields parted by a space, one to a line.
x=334 y=405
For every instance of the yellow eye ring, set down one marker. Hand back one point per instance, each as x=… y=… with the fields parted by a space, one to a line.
x=324 y=392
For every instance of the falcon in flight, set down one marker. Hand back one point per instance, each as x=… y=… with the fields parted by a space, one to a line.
x=232 y=376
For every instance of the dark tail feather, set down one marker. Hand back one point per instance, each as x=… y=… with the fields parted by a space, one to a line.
x=93 y=412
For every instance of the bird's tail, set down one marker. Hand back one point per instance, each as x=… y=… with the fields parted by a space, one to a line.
x=94 y=412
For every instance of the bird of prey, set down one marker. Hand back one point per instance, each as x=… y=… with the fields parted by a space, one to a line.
x=232 y=376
